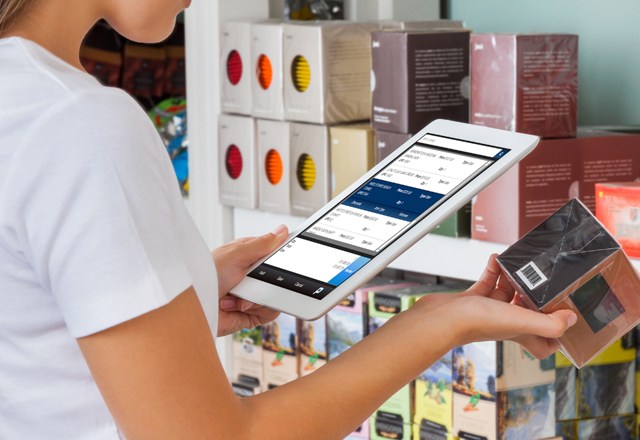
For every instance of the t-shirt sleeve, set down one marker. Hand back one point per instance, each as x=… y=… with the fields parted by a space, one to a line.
x=93 y=199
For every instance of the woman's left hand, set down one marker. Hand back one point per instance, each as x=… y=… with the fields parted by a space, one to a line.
x=232 y=262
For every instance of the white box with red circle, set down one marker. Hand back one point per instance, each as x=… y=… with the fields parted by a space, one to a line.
x=267 y=70
x=274 y=180
x=235 y=67
x=237 y=161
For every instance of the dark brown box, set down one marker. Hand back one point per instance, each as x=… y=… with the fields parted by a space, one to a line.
x=419 y=76
x=526 y=83
x=386 y=142
x=555 y=172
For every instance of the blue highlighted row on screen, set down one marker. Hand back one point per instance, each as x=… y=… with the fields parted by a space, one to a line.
x=348 y=271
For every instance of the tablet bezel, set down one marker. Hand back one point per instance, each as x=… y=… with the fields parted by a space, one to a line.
x=309 y=309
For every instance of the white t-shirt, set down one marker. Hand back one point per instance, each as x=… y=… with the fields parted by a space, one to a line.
x=93 y=232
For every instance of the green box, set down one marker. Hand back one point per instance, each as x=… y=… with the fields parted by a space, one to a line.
x=384 y=429
x=458 y=225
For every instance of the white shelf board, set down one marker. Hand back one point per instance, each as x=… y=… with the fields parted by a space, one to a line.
x=252 y=223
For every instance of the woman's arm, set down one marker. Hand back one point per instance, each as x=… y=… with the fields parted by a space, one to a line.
x=161 y=377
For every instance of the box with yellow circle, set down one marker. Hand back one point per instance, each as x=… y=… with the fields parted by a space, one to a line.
x=352 y=154
x=273 y=166
x=309 y=168
x=235 y=67
x=327 y=70
x=267 y=70
x=237 y=162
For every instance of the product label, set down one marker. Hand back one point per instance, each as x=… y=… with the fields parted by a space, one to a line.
x=531 y=275
x=386 y=303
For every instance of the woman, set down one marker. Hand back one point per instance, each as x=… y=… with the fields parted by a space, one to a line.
x=109 y=300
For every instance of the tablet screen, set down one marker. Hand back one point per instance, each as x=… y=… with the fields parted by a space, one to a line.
x=371 y=218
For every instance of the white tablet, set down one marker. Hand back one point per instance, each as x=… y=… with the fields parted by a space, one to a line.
x=399 y=201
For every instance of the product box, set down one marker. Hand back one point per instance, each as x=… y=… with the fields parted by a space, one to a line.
x=309 y=168
x=237 y=161
x=570 y=261
x=175 y=74
x=327 y=71
x=619 y=428
x=312 y=336
x=143 y=69
x=247 y=357
x=553 y=173
x=458 y=225
x=235 y=66
x=245 y=388
x=386 y=142
x=382 y=428
x=280 y=357
x=352 y=155
x=421 y=25
x=566 y=389
x=361 y=431
x=274 y=178
x=617 y=207
x=101 y=54
x=501 y=391
x=419 y=77
x=526 y=83
x=267 y=84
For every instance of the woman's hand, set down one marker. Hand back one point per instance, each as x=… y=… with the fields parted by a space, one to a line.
x=232 y=262
x=491 y=311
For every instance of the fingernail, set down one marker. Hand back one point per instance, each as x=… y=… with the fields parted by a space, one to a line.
x=279 y=230
x=572 y=319
x=246 y=305
x=227 y=303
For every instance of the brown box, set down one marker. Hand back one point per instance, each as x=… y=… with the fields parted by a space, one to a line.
x=419 y=76
x=526 y=83
x=556 y=171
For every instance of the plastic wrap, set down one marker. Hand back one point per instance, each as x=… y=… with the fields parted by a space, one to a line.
x=526 y=83
x=274 y=181
x=237 y=162
x=327 y=71
x=418 y=77
x=235 y=67
x=570 y=261
x=267 y=69
x=309 y=168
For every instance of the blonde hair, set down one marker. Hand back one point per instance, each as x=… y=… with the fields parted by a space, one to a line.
x=10 y=10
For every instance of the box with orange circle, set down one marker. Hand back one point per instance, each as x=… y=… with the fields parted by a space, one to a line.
x=235 y=66
x=310 y=168
x=267 y=70
x=273 y=165
x=237 y=161
x=327 y=71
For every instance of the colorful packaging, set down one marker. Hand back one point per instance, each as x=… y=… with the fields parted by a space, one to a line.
x=387 y=142
x=551 y=175
x=309 y=168
x=618 y=208
x=267 y=69
x=566 y=389
x=352 y=155
x=247 y=358
x=235 y=66
x=274 y=177
x=280 y=358
x=237 y=161
x=619 y=428
x=327 y=71
x=312 y=337
x=526 y=83
x=143 y=72
x=382 y=428
x=421 y=25
x=245 y=389
x=361 y=431
x=101 y=54
x=418 y=77
x=175 y=79
x=570 y=261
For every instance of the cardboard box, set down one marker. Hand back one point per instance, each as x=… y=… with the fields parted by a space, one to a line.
x=387 y=142
x=312 y=336
x=382 y=428
x=274 y=181
x=419 y=77
x=556 y=171
x=267 y=84
x=570 y=261
x=280 y=356
x=247 y=357
x=501 y=391
x=619 y=428
x=327 y=71
x=237 y=161
x=526 y=83
x=618 y=208
x=309 y=168
x=235 y=65
x=352 y=155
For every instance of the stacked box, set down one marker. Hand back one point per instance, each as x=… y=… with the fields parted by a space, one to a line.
x=274 y=182
x=553 y=173
x=237 y=162
x=387 y=142
x=352 y=155
x=501 y=391
x=458 y=225
x=421 y=25
x=312 y=338
x=247 y=360
x=526 y=83
x=267 y=85
x=617 y=207
x=382 y=428
x=570 y=261
x=309 y=168
x=327 y=71
x=235 y=66
x=418 y=77
x=280 y=354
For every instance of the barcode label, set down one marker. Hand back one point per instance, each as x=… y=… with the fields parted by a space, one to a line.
x=531 y=275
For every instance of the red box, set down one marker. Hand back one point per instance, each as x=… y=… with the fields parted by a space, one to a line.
x=556 y=171
x=526 y=83
x=617 y=207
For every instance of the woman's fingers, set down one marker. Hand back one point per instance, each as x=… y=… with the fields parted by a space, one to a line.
x=488 y=280
x=537 y=346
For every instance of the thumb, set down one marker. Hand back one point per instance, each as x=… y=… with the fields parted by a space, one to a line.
x=553 y=325
x=252 y=250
